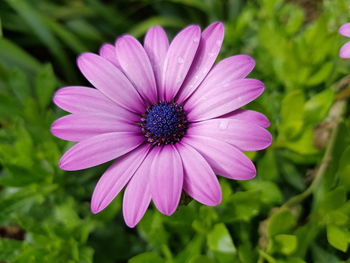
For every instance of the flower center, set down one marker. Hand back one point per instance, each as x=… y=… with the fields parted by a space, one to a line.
x=164 y=123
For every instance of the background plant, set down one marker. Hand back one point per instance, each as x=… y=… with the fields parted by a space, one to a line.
x=296 y=210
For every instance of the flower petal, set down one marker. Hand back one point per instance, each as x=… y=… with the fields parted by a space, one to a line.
x=200 y=181
x=116 y=177
x=99 y=149
x=80 y=126
x=228 y=70
x=111 y=81
x=224 y=158
x=222 y=99
x=345 y=50
x=136 y=66
x=225 y=72
x=244 y=135
x=137 y=196
x=249 y=116
x=178 y=60
x=156 y=45
x=77 y=99
x=208 y=50
x=345 y=30
x=166 y=178
x=107 y=51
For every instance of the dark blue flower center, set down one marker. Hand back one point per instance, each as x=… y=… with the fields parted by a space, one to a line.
x=164 y=123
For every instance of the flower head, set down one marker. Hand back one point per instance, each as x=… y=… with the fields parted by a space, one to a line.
x=345 y=49
x=169 y=117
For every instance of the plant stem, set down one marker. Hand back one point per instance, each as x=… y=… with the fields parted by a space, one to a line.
x=336 y=116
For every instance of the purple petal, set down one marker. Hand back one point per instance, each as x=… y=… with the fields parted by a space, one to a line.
x=80 y=126
x=76 y=99
x=111 y=81
x=345 y=30
x=222 y=99
x=208 y=50
x=225 y=159
x=107 y=51
x=116 y=177
x=227 y=71
x=136 y=66
x=166 y=178
x=156 y=45
x=244 y=135
x=137 y=195
x=345 y=50
x=249 y=116
x=99 y=149
x=200 y=181
x=178 y=60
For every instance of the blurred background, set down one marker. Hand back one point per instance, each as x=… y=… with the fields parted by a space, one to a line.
x=296 y=210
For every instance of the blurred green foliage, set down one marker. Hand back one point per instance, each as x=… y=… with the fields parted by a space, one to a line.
x=296 y=210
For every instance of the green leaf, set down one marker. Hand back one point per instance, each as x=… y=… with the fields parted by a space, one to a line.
x=294 y=260
x=270 y=193
x=337 y=217
x=15 y=202
x=18 y=82
x=35 y=21
x=242 y=206
x=334 y=199
x=10 y=108
x=280 y=223
x=152 y=229
x=142 y=27
x=247 y=253
x=338 y=237
x=267 y=166
x=14 y=55
x=201 y=259
x=219 y=239
x=292 y=114
x=221 y=244
x=45 y=84
x=321 y=75
x=344 y=168
x=9 y=248
x=321 y=255
x=68 y=37
x=317 y=107
x=1 y=34
x=303 y=144
x=286 y=244
x=148 y=257
x=192 y=250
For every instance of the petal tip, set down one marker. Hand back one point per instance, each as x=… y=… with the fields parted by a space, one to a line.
x=215 y=201
x=219 y=25
x=168 y=212
x=269 y=140
x=344 y=54
x=53 y=128
x=196 y=29
x=64 y=164
x=266 y=122
x=95 y=209
x=130 y=223
x=104 y=47
x=345 y=30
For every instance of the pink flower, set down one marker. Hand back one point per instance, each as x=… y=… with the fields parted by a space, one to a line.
x=168 y=114
x=345 y=49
